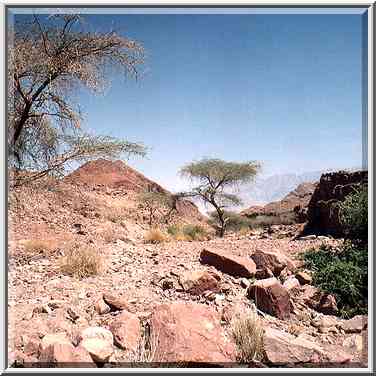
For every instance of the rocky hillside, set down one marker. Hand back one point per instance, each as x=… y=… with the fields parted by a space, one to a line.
x=111 y=174
x=296 y=201
x=322 y=210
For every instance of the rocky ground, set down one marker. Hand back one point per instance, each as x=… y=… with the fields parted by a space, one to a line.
x=170 y=303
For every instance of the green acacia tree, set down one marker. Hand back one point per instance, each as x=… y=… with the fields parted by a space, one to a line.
x=213 y=177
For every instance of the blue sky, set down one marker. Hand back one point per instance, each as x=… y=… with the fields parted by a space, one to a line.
x=281 y=89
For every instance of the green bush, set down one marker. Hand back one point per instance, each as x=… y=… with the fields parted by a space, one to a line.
x=194 y=232
x=343 y=273
x=187 y=232
x=353 y=215
x=234 y=221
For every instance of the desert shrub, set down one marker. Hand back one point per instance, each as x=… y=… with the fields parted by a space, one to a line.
x=194 y=232
x=270 y=220
x=234 y=221
x=155 y=236
x=248 y=335
x=342 y=272
x=81 y=261
x=39 y=246
x=353 y=214
x=187 y=232
x=174 y=230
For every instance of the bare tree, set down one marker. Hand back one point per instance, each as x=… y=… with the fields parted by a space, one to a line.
x=214 y=176
x=51 y=58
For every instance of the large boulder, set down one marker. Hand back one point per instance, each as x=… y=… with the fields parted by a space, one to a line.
x=323 y=214
x=271 y=297
x=233 y=265
x=284 y=349
x=126 y=329
x=191 y=334
x=273 y=261
x=65 y=355
x=98 y=342
x=198 y=281
x=115 y=303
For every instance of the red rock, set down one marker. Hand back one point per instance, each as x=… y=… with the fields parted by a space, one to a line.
x=304 y=278
x=271 y=297
x=355 y=325
x=229 y=264
x=328 y=305
x=274 y=261
x=189 y=333
x=115 y=303
x=198 y=281
x=282 y=348
x=291 y=283
x=65 y=355
x=101 y=307
x=126 y=329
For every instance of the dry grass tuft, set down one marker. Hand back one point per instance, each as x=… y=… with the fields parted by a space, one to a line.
x=248 y=334
x=81 y=262
x=39 y=246
x=155 y=236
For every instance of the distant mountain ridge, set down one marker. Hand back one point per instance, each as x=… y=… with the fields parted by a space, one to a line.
x=276 y=187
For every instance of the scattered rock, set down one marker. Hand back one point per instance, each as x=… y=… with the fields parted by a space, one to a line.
x=355 y=325
x=244 y=282
x=167 y=284
x=97 y=332
x=271 y=297
x=115 y=303
x=101 y=307
x=274 y=261
x=197 y=282
x=99 y=349
x=189 y=333
x=354 y=342
x=304 y=278
x=126 y=329
x=233 y=265
x=291 y=283
x=264 y=273
x=65 y=355
x=50 y=339
x=327 y=305
x=308 y=237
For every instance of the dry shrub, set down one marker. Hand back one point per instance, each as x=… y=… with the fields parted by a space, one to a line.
x=188 y=232
x=155 y=236
x=39 y=246
x=81 y=261
x=248 y=334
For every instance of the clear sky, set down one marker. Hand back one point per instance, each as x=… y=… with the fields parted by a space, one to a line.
x=281 y=89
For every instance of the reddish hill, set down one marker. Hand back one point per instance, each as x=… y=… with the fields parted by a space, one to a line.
x=299 y=197
x=113 y=175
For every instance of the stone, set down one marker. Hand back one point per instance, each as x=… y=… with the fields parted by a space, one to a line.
x=264 y=273
x=32 y=346
x=303 y=278
x=274 y=261
x=191 y=334
x=291 y=284
x=354 y=325
x=99 y=349
x=233 y=265
x=97 y=332
x=271 y=297
x=50 y=339
x=245 y=283
x=126 y=329
x=354 y=342
x=101 y=307
x=308 y=237
x=198 y=281
x=327 y=305
x=282 y=348
x=65 y=355
x=115 y=303
x=167 y=284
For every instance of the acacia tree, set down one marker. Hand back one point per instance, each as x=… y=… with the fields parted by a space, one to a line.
x=49 y=60
x=214 y=177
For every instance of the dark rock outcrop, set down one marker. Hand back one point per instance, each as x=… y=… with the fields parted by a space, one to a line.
x=323 y=215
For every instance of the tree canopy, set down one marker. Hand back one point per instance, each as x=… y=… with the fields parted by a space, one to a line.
x=213 y=176
x=50 y=59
